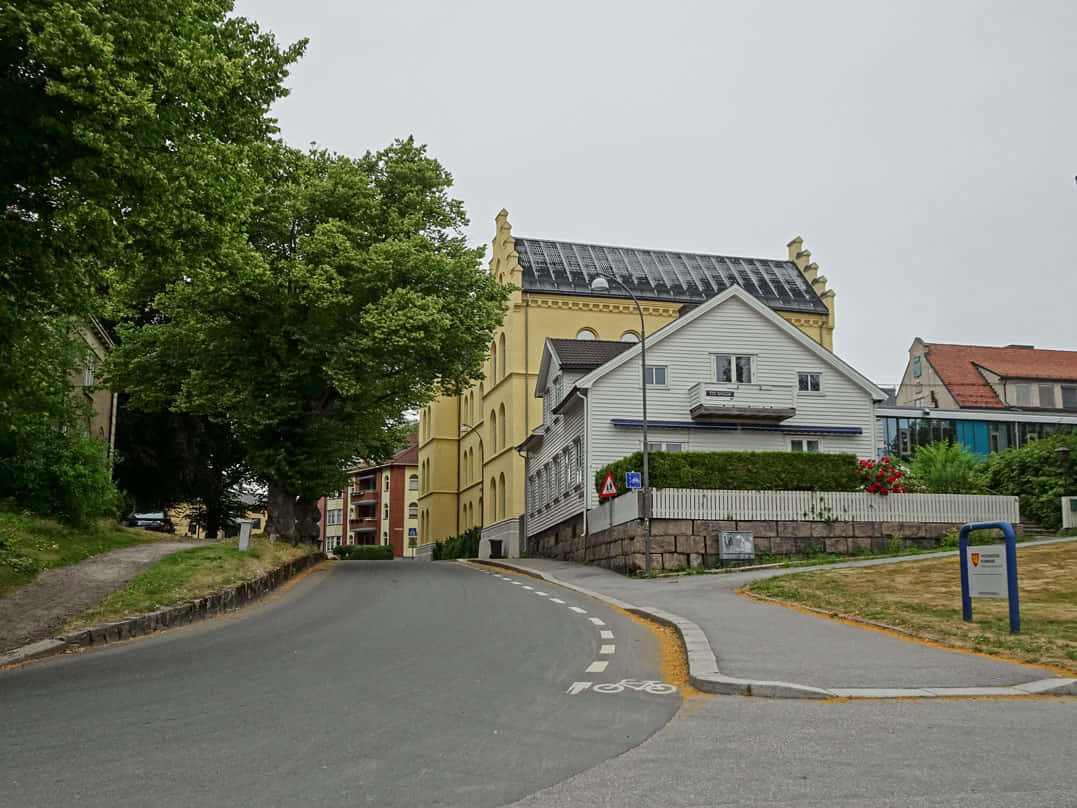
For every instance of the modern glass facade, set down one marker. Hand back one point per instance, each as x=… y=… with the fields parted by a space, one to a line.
x=902 y=435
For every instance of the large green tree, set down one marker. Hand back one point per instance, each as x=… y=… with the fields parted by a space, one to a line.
x=357 y=299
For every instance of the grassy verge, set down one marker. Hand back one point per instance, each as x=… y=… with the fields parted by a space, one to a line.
x=30 y=544
x=924 y=598
x=191 y=574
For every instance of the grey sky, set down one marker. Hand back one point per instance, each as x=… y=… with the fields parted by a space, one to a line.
x=924 y=150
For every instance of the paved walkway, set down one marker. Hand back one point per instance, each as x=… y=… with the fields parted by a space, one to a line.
x=41 y=608
x=759 y=641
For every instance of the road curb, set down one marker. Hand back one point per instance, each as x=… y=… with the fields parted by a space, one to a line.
x=182 y=614
x=704 y=675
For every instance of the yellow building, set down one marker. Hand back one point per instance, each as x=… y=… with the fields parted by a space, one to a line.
x=470 y=473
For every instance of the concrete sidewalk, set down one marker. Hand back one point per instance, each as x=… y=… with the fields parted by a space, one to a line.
x=784 y=652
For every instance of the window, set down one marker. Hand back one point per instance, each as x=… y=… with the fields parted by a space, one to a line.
x=586 y=333
x=413 y=510
x=1023 y=394
x=386 y=482
x=916 y=367
x=385 y=511
x=673 y=447
x=413 y=482
x=629 y=336
x=504 y=492
x=1069 y=397
x=730 y=368
x=501 y=341
x=1047 y=395
x=809 y=382
x=664 y=447
x=656 y=375
x=578 y=443
x=331 y=543
x=918 y=402
x=540 y=490
x=557 y=481
x=504 y=425
x=87 y=371
x=256 y=523
x=570 y=467
x=546 y=399
x=798 y=445
x=385 y=537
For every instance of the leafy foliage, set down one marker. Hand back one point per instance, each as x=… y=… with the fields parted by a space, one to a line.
x=946 y=468
x=761 y=471
x=1033 y=473
x=365 y=552
x=881 y=476
x=464 y=545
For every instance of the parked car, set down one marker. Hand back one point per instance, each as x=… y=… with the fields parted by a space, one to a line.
x=159 y=522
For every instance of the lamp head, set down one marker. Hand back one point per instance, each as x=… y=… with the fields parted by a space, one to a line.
x=600 y=284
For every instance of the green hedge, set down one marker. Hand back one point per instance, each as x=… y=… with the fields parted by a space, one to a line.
x=1033 y=473
x=465 y=545
x=749 y=471
x=365 y=552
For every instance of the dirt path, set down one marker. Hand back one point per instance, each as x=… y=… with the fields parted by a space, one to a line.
x=39 y=609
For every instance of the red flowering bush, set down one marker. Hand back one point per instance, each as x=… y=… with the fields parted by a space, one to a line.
x=881 y=476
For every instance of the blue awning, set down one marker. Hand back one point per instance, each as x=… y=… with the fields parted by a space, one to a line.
x=635 y=423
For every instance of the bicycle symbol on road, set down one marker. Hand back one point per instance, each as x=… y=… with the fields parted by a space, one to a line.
x=640 y=685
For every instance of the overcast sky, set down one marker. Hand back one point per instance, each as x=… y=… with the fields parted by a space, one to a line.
x=925 y=151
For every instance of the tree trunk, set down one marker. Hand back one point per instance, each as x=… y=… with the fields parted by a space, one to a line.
x=307 y=517
x=282 y=513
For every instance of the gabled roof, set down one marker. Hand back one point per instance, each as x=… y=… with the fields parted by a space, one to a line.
x=562 y=266
x=576 y=354
x=735 y=291
x=958 y=368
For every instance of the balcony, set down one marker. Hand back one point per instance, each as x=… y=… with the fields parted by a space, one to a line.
x=710 y=401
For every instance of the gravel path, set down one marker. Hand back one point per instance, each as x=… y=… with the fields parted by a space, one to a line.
x=39 y=609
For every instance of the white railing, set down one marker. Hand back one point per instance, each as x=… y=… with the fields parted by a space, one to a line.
x=716 y=396
x=612 y=512
x=841 y=506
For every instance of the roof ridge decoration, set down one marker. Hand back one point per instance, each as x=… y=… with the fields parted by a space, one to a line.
x=810 y=270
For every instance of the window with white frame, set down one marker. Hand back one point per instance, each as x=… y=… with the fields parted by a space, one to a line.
x=578 y=443
x=570 y=467
x=413 y=510
x=809 y=382
x=386 y=482
x=674 y=446
x=413 y=482
x=1023 y=392
x=656 y=375
x=540 y=498
x=803 y=445
x=331 y=543
x=557 y=487
x=733 y=368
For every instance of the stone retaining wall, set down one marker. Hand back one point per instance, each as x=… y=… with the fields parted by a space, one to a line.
x=199 y=609
x=686 y=543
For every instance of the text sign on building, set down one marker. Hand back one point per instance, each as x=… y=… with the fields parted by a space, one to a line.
x=736 y=545
x=720 y=393
x=633 y=479
x=987 y=571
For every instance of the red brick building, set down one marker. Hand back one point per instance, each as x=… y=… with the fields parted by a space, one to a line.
x=380 y=505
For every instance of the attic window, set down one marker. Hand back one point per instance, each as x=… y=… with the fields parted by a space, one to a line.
x=916 y=367
x=586 y=333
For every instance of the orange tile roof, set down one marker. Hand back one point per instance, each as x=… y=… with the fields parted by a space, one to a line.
x=957 y=365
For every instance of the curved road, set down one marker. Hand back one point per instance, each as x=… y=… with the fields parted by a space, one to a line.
x=366 y=683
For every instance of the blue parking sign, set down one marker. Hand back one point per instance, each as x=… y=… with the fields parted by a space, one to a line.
x=633 y=480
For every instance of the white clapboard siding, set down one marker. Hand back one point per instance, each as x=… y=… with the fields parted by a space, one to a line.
x=842 y=506
x=561 y=431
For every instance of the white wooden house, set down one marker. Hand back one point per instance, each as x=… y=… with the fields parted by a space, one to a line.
x=728 y=375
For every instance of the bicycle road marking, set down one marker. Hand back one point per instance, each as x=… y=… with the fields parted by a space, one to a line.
x=649 y=686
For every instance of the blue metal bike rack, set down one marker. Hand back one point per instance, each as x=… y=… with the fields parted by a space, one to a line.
x=1011 y=570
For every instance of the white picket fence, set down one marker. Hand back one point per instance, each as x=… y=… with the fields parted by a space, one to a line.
x=846 y=506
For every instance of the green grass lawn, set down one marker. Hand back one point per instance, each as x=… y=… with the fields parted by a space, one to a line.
x=30 y=544
x=191 y=574
x=924 y=598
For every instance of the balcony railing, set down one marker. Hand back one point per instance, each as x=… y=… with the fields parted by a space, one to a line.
x=717 y=401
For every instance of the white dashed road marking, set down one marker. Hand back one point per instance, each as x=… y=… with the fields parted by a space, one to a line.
x=556 y=600
x=607 y=649
x=578 y=610
x=540 y=594
x=597 y=667
x=596 y=621
x=529 y=587
x=606 y=635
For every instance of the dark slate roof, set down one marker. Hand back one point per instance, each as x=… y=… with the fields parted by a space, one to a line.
x=587 y=354
x=561 y=266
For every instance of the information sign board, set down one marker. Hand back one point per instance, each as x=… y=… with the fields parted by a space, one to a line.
x=633 y=479
x=987 y=571
x=736 y=545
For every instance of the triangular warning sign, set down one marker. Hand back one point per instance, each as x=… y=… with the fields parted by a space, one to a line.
x=609 y=487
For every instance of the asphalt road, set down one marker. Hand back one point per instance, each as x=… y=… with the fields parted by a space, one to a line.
x=366 y=683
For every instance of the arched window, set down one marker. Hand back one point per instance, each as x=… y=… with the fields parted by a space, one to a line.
x=504 y=358
x=493 y=499
x=503 y=491
x=586 y=333
x=413 y=482
x=413 y=510
x=504 y=423
x=629 y=336
x=493 y=361
x=493 y=430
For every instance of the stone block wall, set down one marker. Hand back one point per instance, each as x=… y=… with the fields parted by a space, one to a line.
x=688 y=543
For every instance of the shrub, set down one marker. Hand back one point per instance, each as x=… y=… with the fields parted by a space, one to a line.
x=946 y=468
x=759 y=471
x=1033 y=474
x=365 y=552
x=880 y=476
x=465 y=545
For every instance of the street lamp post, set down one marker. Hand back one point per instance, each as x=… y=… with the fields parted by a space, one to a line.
x=601 y=284
x=464 y=429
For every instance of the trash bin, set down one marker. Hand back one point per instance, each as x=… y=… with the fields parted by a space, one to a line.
x=495 y=548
